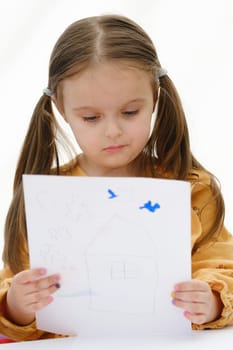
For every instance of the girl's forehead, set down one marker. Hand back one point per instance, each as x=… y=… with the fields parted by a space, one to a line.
x=111 y=82
x=108 y=73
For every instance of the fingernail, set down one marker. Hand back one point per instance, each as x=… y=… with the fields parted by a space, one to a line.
x=172 y=295
x=174 y=301
x=50 y=298
x=57 y=278
x=185 y=313
x=57 y=285
x=42 y=271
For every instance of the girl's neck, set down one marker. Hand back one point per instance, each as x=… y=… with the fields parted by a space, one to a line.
x=94 y=170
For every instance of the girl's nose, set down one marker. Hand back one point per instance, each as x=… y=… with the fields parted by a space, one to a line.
x=113 y=128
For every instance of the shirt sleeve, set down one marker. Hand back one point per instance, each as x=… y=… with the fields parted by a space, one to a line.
x=212 y=261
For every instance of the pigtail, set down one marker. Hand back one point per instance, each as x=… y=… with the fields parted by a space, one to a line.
x=39 y=148
x=173 y=151
x=37 y=157
x=170 y=138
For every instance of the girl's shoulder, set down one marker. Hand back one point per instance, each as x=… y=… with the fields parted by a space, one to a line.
x=203 y=183
x=199 y=176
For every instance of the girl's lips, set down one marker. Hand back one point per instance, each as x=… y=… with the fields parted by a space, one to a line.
x=113 y=148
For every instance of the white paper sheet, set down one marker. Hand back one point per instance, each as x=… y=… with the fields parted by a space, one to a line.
x=120 y=245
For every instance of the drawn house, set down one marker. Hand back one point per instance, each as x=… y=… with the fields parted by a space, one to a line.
x=121 y=267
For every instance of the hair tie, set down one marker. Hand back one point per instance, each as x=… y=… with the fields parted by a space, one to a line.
x=48 y=92
x=162 y=72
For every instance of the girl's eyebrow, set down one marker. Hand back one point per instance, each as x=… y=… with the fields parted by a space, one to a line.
x=83 y=108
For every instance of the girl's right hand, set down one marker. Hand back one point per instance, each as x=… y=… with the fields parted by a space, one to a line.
x=30 y=292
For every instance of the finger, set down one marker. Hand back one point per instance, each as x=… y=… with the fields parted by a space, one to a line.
x=42 y=303
x=193 y=308
x=192 y=296
x=192 y=285
x=41 y=295
x=195 y=318
x=38 y=305
x=44 y=283
x=27 y=276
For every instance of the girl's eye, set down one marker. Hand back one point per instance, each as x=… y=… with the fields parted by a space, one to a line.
x=90 y=118
x=130 y=113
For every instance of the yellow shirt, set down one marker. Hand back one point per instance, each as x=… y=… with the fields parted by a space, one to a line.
x=211 y=262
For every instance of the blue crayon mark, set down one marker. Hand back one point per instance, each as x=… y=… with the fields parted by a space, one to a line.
x=148 y=205
x=112 y=194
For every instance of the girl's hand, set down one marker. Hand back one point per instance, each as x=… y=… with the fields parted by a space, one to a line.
x=200 y=303
x=29 y=292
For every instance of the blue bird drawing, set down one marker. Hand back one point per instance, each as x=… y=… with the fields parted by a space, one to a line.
x=111 y=194
x=151 y=207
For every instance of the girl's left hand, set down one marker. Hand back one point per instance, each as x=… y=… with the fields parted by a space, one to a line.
x=200 y=303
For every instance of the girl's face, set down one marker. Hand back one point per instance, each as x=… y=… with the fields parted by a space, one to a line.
x=109 y=108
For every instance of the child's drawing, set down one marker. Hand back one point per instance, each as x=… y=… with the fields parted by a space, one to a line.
x=122 y=268
x=108 y=239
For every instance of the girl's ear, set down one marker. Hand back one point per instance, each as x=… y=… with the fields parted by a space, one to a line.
x=59 y=107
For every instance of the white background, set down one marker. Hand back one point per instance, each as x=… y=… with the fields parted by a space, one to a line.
x=194 y=42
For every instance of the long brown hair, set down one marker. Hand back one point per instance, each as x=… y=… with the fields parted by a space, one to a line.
x=85 y=42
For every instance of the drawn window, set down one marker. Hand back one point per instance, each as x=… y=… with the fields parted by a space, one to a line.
x=123 y=270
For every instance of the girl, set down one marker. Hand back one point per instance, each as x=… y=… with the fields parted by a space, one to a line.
x=106 y=81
